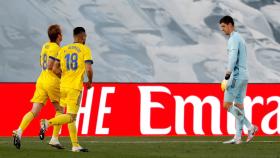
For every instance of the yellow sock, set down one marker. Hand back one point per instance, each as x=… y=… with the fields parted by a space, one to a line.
x=60 y=120
x=56 y=128
x=73 y=134
x=28 y=117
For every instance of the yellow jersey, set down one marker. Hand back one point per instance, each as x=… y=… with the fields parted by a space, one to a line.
x=73 y=58
x=49 y=50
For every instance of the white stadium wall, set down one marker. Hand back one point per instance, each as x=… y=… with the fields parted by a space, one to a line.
x=143 y=40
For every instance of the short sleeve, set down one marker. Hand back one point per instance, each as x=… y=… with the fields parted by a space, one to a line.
x=232 y=54
x=53 y=53
x=59 y=54
x=87 y=55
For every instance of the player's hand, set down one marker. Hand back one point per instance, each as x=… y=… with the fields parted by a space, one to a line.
x=224 y=85
x=88 y=85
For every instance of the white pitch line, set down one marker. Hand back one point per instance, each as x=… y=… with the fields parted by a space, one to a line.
x=175 y=141
x=149 y=142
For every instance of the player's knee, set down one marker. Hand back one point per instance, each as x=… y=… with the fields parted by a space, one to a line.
x=226 y=105
x=73 y=117
x=36 y=108
x=240 y=106
x=59 y=109
x=34 y=113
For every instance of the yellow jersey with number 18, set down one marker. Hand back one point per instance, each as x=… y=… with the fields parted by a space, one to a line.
x=73 y=58
x=47 y=77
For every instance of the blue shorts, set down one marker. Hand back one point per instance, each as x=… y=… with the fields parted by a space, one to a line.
x=236 y=91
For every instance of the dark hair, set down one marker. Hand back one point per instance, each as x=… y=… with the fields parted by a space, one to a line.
x=78 y=30
x=227 y=19
x=53 y=32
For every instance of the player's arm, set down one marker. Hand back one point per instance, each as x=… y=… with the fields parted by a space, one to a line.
x=56 y=63
x=51 y=62
x=89 y=74
x=88 y=63
x=232 y=57
x=56 y=68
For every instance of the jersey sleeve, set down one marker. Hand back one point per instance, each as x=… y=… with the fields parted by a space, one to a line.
x=88 y=56
x=232 y=54
x=53 y=53
x=59 y=55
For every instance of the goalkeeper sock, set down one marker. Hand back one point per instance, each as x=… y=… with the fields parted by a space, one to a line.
x=246 y=121
x=28 y=117
x=238 y=127
x=236 y=112
x=73 y=133
x=56 y=128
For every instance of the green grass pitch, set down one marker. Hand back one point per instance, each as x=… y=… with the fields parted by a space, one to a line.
x=145 y=147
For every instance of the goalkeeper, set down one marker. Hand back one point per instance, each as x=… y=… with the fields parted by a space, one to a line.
x=236 y=79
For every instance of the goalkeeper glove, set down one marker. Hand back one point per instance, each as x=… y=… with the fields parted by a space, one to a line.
x=224 y=85
x=224 y=82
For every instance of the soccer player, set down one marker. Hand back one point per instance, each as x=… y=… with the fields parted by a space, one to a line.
x=47 y=86
x=72 y=62
x=236 y=79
